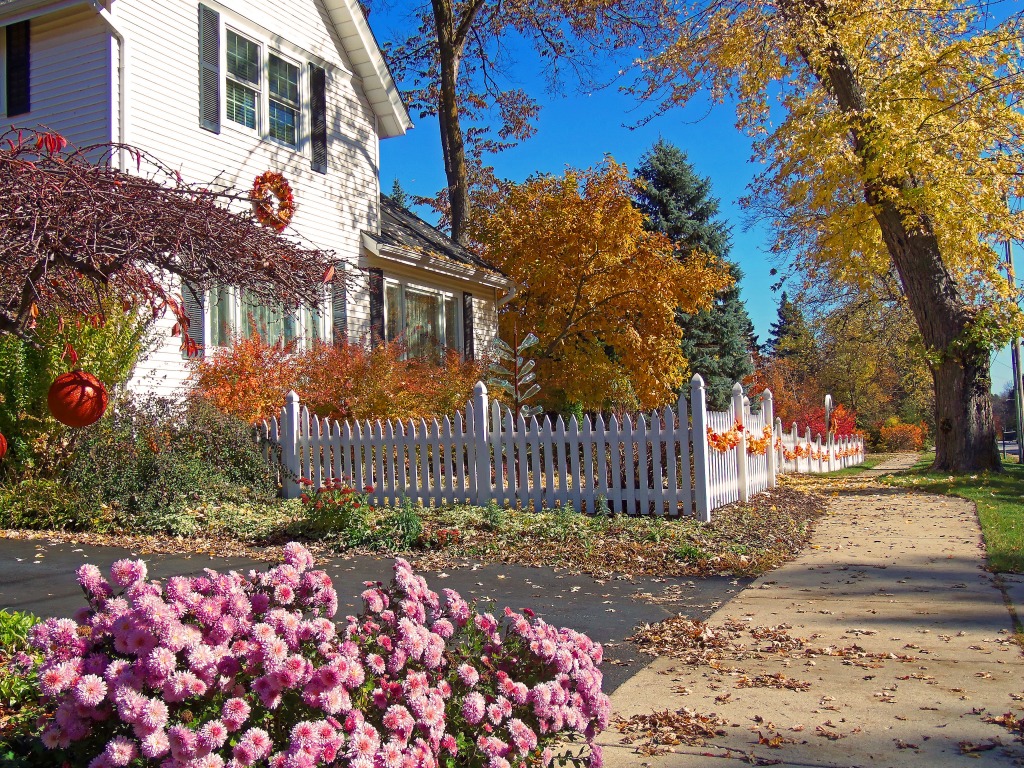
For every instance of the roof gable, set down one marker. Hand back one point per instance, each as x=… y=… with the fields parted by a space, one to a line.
x=368 y=61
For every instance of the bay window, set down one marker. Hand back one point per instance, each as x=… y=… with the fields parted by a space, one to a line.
x=428 y=320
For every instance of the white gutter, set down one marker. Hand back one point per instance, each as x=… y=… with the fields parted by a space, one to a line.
x=121 y=96
x=513 y=289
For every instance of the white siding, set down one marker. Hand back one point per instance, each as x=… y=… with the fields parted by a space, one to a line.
x=69 y=78
x=331 y=209
x=485 y=321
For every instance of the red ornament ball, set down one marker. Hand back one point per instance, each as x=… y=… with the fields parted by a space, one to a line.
x=3 y=446
x=77 y=399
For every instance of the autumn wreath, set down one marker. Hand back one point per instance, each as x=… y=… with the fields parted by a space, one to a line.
x=266 y=187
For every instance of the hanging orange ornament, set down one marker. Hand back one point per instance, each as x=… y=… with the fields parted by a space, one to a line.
x=77 y=399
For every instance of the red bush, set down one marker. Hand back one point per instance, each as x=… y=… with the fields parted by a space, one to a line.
x=348 y=381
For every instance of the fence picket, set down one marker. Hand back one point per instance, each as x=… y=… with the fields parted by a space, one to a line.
x=523 y=486
x=588 y=494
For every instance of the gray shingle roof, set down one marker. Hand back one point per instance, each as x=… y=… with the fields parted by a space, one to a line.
x=403 y=229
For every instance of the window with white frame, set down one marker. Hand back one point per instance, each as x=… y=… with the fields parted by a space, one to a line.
x=283 y=85
x=427 y=319
x=233 y=312
x=244 y=66
x=253 y=81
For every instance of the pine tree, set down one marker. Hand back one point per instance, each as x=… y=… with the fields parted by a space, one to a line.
x=678 y=203
x=399 y=195
x=789 y=336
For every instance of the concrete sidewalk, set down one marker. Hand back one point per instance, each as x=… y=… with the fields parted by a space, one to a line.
x=906 y=649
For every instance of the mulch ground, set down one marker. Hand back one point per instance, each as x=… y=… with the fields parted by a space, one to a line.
x=742 y=540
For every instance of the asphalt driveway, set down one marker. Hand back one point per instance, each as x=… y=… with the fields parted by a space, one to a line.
x=38 y=576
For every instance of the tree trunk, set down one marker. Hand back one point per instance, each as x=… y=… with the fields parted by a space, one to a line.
x=965 y=439
x=450 y=43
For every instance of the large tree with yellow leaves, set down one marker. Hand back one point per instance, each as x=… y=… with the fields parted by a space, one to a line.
x=597 y=288
x=892 y=139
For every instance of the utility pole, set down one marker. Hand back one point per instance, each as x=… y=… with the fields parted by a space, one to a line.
x=1015 y=359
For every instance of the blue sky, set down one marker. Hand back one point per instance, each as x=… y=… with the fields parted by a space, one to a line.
x=579 y=129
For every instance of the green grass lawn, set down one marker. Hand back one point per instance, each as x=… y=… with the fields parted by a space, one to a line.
x=1000 y=501
x=870 y=462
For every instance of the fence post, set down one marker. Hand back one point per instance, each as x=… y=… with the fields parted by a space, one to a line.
x=740 y=413
x=701 y=466
x=290 y=446
x=482 y=471
x=768 y=410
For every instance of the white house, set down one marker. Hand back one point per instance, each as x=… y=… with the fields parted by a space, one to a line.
x=223 y=90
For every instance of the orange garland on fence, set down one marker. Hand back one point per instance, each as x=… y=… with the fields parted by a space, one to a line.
x=805 y=452
x=267 y=186
x=724 y=441
x=758 y=446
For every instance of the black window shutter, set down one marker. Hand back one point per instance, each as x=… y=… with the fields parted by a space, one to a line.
x=318 y=123
x=192 y=301
x=339 y=311
x=209 y=69
x=19 y=100
x=467 y=326
x=376 y=306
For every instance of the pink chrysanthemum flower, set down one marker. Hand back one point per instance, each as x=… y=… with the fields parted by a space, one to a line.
x=90 y=690
x=468 y=674
x=473 y=708
x=213 y=734
x=234 y=713
x=120 y=751
x=126 y=572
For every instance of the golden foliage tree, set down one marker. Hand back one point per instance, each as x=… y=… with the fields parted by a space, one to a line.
x=598 y=289
x=893 y=144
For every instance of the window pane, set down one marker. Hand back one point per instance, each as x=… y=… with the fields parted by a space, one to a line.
x=272 y=323
x=284 y=80
x=393 y=311
x=314 y=324
x=222 y=317
x=243 y=58
x=283 y=121
x=422 y=316
x=241 y=105
x=451 y=322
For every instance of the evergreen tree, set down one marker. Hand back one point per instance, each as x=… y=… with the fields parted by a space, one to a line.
x=679 y=204
x=399 y=195
x=789 y=336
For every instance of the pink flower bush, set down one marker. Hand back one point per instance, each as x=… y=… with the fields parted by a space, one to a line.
x=231 y=670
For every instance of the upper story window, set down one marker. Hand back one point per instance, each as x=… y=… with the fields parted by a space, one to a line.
x=243 y=80
x=15 y=96
x=259 y=85
x=284 y=100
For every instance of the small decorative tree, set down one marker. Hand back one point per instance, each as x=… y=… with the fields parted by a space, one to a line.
x=513 y=374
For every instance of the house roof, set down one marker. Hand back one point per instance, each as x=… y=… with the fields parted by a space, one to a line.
x=368 y=62
x=405 y=234
x=356 y=38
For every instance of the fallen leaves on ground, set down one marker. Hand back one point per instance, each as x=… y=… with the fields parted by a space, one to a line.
x=660 y=732
x=742 y=539
x=699 y=643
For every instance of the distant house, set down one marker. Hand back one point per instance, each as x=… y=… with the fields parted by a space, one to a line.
x=223 y=91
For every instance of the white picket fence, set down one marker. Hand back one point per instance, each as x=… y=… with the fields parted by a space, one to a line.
x=656 y=464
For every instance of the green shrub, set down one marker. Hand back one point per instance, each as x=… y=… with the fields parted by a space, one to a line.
x=109 y=350
x=48 y=505
x=407 y=524
x=336 y=511
x=157 y=463
x=19 y=693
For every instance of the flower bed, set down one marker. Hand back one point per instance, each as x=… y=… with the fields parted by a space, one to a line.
x=249 y=670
